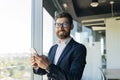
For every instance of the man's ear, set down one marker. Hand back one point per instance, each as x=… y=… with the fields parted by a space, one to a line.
x=72 y=26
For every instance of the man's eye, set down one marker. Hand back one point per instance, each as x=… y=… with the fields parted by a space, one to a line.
x=59 y=24
x=65 y=24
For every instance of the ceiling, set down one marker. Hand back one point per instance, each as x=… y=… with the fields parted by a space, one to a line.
x=82 y=10
x=84 y=13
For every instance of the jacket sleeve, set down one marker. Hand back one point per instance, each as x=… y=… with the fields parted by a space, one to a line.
x=56 y=73
x=39 y=71
x=78 y=61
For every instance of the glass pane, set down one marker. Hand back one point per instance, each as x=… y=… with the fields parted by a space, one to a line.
x=47 y=33
x=15 y=39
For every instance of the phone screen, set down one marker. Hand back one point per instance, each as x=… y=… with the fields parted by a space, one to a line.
x=33 y=51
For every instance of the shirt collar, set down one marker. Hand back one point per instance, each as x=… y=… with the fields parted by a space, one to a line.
x=66 y=41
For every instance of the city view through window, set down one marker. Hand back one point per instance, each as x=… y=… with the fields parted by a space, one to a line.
x=15 y=41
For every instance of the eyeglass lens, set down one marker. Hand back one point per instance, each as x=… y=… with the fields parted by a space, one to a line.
x=61 y=24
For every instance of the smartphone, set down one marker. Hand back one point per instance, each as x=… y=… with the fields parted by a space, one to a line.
x=33 y=51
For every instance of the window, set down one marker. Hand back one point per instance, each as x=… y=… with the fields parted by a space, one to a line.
x=15 y=41
x=47 y=33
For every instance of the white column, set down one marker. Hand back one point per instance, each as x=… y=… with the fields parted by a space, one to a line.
x=113 y=43
x=37 y=29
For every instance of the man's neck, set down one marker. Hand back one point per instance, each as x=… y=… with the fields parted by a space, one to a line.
x=62 y=40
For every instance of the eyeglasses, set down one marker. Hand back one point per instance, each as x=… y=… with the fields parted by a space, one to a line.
x=64 y=25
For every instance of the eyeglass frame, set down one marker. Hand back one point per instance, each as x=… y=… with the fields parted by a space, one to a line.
x=64 y=25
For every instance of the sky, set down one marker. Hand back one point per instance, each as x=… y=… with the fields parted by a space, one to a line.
x=15 y=26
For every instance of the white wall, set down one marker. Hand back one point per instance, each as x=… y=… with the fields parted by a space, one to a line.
x=93 y=65
x=113 y=42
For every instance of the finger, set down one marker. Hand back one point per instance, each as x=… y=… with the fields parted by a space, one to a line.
x=32 y=60
x=32 y=57
x=38 y=58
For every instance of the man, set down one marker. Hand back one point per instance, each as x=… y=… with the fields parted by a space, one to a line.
x=66 y=59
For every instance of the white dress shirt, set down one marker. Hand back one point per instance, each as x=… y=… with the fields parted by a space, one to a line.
x=60 y=48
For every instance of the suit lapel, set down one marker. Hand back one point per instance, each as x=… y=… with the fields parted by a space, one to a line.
x=65 y=51
x=53 y=54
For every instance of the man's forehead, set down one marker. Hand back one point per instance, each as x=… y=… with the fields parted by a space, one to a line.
x=62 y=20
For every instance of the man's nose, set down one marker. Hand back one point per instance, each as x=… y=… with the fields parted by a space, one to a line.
x=61 y=27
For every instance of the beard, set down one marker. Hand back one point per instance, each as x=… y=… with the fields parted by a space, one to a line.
x=63 y=34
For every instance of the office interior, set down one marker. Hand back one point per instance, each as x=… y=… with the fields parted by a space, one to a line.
x=97 y=26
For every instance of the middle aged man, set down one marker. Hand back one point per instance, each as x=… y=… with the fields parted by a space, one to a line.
x=66 y=59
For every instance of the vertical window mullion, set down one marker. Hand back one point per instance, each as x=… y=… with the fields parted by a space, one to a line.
x=37 y=29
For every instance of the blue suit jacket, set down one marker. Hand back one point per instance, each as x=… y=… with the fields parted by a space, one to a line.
x=70 y=65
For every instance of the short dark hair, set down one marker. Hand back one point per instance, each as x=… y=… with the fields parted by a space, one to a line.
x=66 y=15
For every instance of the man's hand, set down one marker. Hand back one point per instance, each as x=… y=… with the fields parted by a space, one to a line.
x=42 y=61
x=33 y=62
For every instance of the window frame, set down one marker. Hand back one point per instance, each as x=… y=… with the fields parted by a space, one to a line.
x=37 y=29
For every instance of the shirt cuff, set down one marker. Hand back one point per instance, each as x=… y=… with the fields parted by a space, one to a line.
x=48 y=69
